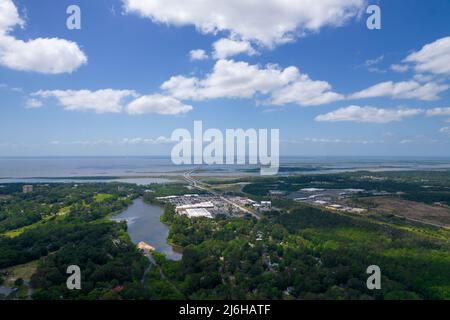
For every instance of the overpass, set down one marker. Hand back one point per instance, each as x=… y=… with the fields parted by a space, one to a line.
x=207 y=188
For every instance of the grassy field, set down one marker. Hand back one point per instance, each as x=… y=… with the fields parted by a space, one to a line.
x=17 y=232
x=64 y=211
x=101 y=197
x=23 y=271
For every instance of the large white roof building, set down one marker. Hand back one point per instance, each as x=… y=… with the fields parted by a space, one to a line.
x=197 y=212
x=206 y=204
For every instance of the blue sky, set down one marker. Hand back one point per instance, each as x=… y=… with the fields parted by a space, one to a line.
x=314 y=80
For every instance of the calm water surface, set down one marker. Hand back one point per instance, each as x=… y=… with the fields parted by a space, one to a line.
x=144 y=224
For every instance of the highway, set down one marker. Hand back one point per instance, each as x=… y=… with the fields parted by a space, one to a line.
x=205 y=187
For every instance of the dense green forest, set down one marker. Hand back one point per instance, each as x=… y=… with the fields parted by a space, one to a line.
x=66 y=224
x=307 y=253
x=297 y=252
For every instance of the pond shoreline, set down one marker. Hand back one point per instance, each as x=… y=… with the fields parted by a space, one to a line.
x=144 y=225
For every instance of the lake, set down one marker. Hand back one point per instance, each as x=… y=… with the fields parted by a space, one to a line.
x=144 y=224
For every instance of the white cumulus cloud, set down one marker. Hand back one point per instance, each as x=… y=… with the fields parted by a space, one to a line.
x=198 y=54
x=9 y=16
x=225 y=48
x=433 y=57
x=231 y=79
x=159 y=104
x=112 y=101
x=306 y=92
x=44 y=55
x=367 y=115
x=402 y=90
x=269 y=22
x=100 y=101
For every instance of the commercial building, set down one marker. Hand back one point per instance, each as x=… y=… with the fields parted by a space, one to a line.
x=266 y=204
x=27 y=189
x=214 y=205
x=197 y=212
x=200 y=205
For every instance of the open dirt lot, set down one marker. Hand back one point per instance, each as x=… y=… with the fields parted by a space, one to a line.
x=431 y=214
